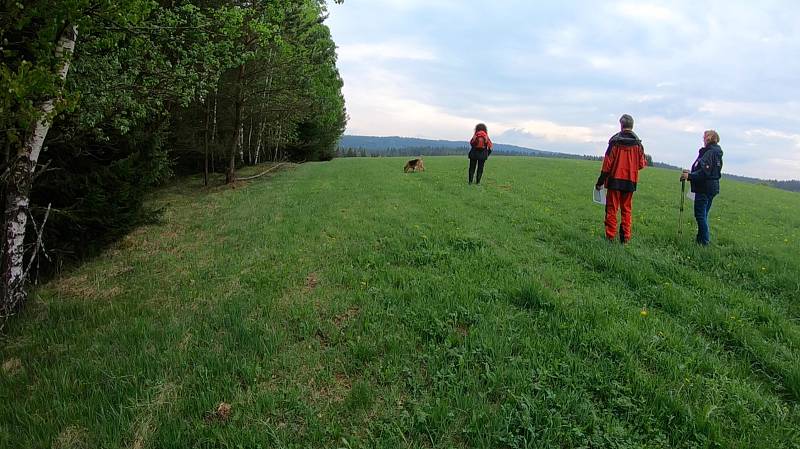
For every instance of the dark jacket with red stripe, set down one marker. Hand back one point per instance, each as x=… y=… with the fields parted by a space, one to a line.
x=624 y=158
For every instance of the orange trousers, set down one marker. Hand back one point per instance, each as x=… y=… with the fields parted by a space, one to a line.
x=616 y=200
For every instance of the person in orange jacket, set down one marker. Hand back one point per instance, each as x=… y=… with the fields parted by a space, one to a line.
x=480 y=149
x=620 y=173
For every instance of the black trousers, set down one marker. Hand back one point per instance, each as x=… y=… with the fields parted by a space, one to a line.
x=479 y=163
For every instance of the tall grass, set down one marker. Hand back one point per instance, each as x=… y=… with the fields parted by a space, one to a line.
x=347 y=304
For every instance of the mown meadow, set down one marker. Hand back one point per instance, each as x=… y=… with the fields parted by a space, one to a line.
x=349 y=305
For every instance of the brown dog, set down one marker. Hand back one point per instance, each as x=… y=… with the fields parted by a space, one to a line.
x=414 y=165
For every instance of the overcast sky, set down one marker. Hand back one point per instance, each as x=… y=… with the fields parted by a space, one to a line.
x=557 y=75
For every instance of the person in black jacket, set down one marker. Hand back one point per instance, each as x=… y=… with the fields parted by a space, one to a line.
x=704 y=178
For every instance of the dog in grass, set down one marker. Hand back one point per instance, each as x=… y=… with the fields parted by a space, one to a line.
x=414 y=165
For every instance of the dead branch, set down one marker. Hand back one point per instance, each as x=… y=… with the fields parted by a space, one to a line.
x=263 y=173
x=39 y=244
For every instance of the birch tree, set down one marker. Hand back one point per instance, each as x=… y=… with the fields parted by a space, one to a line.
x=82 y=118
x=21 y=171
x=127 y=70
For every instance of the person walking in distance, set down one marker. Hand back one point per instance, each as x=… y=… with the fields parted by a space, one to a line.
x=620 y=174
x=480 y=149
x=704 y=178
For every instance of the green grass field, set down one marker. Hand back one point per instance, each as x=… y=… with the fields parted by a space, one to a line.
x=346 y=304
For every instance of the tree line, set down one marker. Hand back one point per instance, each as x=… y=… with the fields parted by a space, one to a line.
x=101 y=100
x=412 y=151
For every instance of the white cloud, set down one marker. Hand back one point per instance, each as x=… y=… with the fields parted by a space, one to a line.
x=561 y=41
x=387 y=102
x=555 y=132
x=647 y=12
x=683 y=125
x=645 y=98
x=736 y=109
x=774 y=134
x=767 y=168
x=372 y=52
x=406 y=5
x=601 y=62
x=397 y=116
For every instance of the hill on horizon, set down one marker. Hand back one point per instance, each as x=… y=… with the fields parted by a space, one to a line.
x=403 y=146
x=378 y=143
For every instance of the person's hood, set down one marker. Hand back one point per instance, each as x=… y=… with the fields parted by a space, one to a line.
x=626 y=138
x=711 y=147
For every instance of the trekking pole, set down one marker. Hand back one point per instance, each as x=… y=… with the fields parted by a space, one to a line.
x=680 y=214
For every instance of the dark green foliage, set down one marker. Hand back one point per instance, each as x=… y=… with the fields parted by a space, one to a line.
x=151 y=86
x=289 y=90
x=98 y=196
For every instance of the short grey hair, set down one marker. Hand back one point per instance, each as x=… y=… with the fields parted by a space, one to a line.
x=626 y=121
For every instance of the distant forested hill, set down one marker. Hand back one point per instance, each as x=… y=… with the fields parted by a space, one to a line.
x=792 y=186
x=374 y=146
x=406 y=146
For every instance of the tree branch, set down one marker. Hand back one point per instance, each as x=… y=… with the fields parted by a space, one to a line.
x=263 y=173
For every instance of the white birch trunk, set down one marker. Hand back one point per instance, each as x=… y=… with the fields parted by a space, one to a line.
x=214 y=128
x=230 y=175
x=260 y=138
x=249 y=143
x=19 y=187
x=268 y=84
x=277 y=142
x=241 y=143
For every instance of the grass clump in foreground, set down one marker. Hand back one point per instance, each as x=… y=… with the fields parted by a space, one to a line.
x=346 y=304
